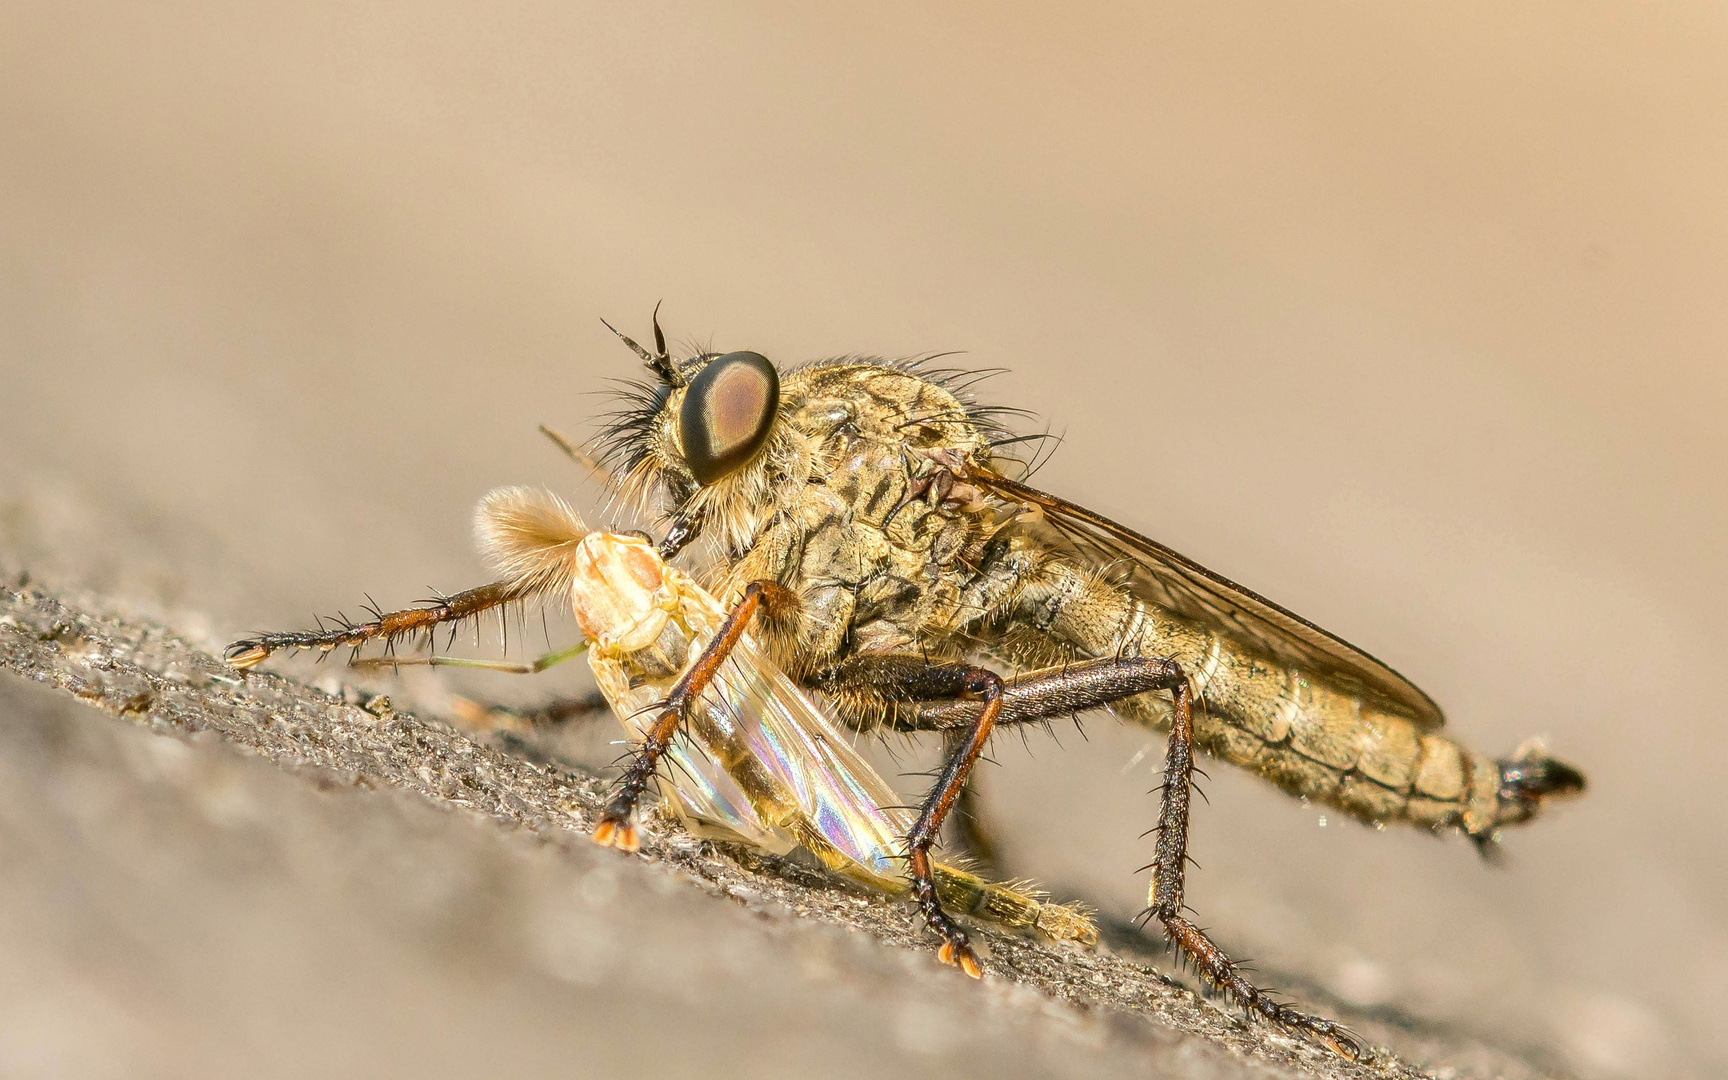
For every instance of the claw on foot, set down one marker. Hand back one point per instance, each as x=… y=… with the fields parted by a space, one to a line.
x=1337 y=1040
x=245 y=654
x=962 y=957
x=1344 y=1046
x=1336 y=1037
x=619 y=834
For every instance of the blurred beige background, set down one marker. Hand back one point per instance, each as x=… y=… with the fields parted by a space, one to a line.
x=1409 y=316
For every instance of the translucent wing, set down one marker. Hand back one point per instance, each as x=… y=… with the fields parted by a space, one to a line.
x=835 y=790
x=1179 y=584
x=758 y=761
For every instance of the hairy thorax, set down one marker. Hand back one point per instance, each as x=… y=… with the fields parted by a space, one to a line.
x=878 y=567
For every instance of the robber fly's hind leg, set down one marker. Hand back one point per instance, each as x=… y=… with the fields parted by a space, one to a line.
x=390 y=627
x=1171 y=859
x=615 y=828
x=1040 y=696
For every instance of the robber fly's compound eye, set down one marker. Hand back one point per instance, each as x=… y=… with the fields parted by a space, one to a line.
x=727 y=411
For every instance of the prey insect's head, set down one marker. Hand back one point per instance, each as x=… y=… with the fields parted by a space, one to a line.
x=706 y=435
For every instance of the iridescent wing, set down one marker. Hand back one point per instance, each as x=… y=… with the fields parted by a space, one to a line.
x=793 y=741
x=1177 y=583
x=758 y=761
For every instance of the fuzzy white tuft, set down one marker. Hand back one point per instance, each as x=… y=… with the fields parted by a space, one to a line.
x=528 y=536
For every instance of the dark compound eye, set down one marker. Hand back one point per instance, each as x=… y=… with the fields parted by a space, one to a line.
x=727 y=411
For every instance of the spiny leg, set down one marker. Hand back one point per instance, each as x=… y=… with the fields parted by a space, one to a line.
x=1044 y=695
x=1168 y=868
x=1037 y=697
x=904 y=688
x=614 y=828
x=966 y=826
x=955 y=680
x=904 y=678
x=250 y=652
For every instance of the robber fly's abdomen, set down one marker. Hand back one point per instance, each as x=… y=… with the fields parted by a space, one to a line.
x=1309 y=737
x=1332 y=747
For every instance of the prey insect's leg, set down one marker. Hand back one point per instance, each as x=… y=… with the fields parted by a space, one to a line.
x=614 y=828
x=250 y=652
x=486 y=719
x=535 y=667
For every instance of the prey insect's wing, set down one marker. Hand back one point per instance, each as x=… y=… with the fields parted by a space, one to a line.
x=757 y=760
x=1179 y=584
x=837 y=793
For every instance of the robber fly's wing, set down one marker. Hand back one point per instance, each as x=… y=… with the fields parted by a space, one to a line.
x=1173 y=581
x=835 y=790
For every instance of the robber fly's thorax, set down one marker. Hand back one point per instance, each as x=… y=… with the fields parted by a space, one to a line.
x=878 y=565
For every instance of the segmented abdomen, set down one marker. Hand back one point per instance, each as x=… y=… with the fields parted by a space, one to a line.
x=1297 y=729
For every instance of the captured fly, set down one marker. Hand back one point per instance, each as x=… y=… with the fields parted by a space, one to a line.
x=871 y=522
x=753 y=759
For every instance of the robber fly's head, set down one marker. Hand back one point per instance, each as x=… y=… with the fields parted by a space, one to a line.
x=705 y=434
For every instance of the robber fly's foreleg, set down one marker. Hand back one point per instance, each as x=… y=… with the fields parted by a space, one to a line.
x=614 y=828
x=1165 y=894
x=390 y=627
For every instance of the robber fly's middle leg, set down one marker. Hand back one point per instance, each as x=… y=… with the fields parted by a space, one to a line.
x=966 y=822
x=898 y=678
x=615 y=828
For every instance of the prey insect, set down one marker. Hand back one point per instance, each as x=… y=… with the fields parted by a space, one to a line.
x=913 y=576
x=747 y=756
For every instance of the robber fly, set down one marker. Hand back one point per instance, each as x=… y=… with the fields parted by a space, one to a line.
x=753 y=760
x=875 y=524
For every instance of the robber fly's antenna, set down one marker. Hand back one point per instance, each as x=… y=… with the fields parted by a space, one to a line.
x=658 y=361
x=659 y=335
